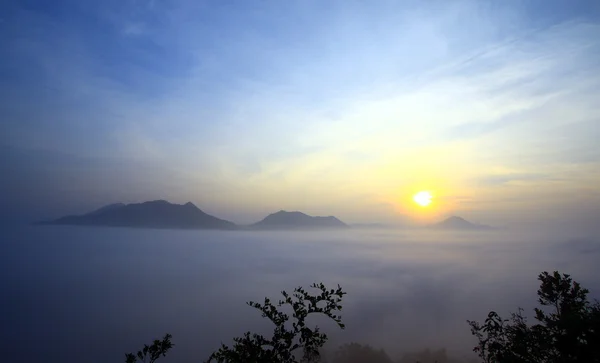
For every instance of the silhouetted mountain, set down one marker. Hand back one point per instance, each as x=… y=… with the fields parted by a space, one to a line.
x=154 y=214
x=106 y=208
x=459 y=223
x=298 y=220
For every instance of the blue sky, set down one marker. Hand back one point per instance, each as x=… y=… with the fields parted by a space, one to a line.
x=330 y=107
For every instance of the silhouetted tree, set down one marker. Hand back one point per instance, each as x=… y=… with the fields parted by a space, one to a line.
x=286 y=341
x=149 y=354
x=568 y=329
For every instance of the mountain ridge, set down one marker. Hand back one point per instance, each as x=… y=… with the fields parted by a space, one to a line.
x=149 y=214
x=298 y=220
x=459 y=223
x=163 y=214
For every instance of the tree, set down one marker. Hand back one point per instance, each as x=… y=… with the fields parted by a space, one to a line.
x=286 y=341
x=149 y=354
x=568 y=329
x=282 y=346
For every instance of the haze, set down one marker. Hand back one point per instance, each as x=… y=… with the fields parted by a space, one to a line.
x=336 y=108
x=90 y=294
x=380 y=113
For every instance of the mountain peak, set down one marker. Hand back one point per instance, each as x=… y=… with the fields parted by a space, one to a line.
x=284 y=212
x=297 y=220
x=155 y=202
x=151 y=214
x=456 y=222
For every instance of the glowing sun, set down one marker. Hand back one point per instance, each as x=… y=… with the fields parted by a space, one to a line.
x=423 y=198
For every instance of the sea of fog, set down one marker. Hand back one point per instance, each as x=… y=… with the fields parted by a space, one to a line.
x=83 y=294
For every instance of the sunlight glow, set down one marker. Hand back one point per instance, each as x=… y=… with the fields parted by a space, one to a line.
x=423 y=198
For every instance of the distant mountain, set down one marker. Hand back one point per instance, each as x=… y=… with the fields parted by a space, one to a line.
x=298 y=220
x=105 y=208
x=154 y=214
x=458 y=223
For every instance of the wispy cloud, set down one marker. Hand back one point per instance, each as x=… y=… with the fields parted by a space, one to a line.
x=134 y=29
x=503 y=179
x=291 y=101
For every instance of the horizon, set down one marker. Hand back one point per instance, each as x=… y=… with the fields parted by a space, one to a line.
x=348 y=223
x=344 y=109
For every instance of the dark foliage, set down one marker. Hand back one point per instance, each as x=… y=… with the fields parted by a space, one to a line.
x=149 y=354
x=286 y=340
x=285 y=343
x=568 y=328
x=568 y=331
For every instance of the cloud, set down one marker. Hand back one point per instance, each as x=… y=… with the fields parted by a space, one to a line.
x=269 y=100
x=406 y=290
x=134 y=29
x=502 y=179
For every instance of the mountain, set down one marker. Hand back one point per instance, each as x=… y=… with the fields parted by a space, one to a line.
x=154 y=214
x=106 y=208
x=297 y=220
x=458 y=223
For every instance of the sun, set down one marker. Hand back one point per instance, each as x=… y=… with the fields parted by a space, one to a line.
x=423 y=198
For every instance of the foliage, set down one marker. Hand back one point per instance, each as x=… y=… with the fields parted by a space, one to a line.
x=568 y=328
x=286 y=340
x=282 y=346
x=149 y=354
x=567 y=331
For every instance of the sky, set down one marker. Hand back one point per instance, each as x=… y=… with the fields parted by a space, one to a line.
x=343 y=108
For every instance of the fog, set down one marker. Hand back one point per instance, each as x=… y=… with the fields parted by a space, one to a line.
x=79 y=294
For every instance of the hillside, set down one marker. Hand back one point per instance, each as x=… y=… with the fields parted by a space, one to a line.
x=458 y=223
x=298 y=220
x=153 y=214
